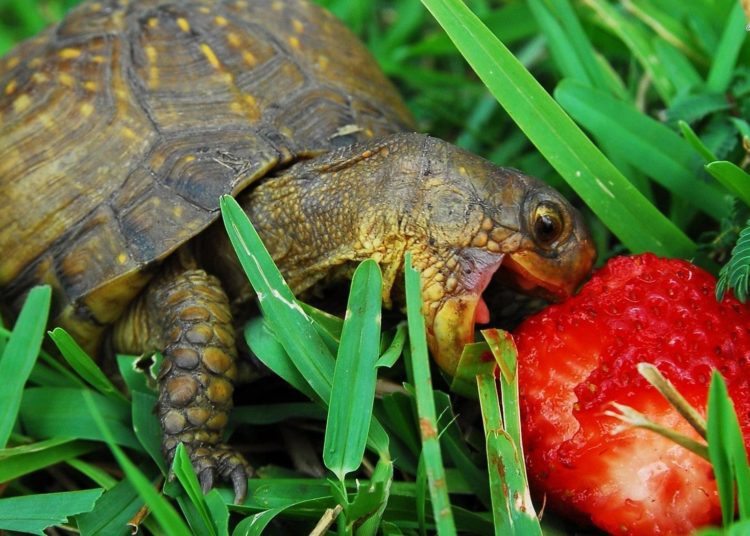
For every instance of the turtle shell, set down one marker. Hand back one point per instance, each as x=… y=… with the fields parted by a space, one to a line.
x=124 y=124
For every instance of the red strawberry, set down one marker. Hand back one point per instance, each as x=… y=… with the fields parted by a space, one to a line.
x=577 y=357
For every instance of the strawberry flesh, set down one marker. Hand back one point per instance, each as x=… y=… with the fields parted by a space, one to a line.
x=577 y=357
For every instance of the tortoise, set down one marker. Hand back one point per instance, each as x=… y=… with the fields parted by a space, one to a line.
x=125 y=123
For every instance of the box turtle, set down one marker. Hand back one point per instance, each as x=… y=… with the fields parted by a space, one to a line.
x=124 y=124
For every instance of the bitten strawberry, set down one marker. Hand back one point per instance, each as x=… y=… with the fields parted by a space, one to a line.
x=577 y=357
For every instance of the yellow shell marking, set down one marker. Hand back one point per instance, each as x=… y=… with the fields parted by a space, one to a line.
x=122 y=258
x=277 y=6
x=177 y=211
x=189 y=158
x=87 y=109
x=69 y=53
x=220 y=21
x=251 y=106
x=233 y=39
x=39 y=78
x=13 y=62
x=10 y=87
x=66 y=80
x=153 y=71
x=210 y=56
x=153 y=22
x=183 y=24
x=22 y=103
x=98 y=58
x=298 y=26
x=249 y=58
x=128 y=133
x=35 y=63
x=294 y=42
x=90 y=85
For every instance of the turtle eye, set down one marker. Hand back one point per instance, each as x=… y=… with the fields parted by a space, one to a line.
x=548 y=224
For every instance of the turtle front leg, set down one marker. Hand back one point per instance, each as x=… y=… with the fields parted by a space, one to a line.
x=185 y=314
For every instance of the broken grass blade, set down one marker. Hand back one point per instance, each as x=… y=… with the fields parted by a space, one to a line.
x=34 y=513
x=476 y=359
x=20 y=355
x=501 y=459
x=432 y=457
x=503 y=434
x=668 y=391
x=355 y=374
x=635 y=418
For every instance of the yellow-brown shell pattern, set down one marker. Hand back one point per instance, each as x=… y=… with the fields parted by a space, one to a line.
x=123 y=125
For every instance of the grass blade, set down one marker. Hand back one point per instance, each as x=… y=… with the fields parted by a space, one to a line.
x=61 y=412
x=169 y=520
x=395 y=348
x=733 y=177
x=271 y=353
x=679 y=69
x=649 y=146
x=183 y=470
x=20 y=355
x=283 y=314
x=638 y=224
x=508 y=482
x=638 y=41
x=692 y=138
x=22 y=460
x=431 y=454
x=355 y=374
x=112 y=512
x=82 y=363
x=19 y=461
x=280 y=309
x=147 y=427
x=34 y=513
x=726 y=448
x=725 y=57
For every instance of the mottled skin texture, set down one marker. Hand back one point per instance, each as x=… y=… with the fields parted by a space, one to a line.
x=124 y=124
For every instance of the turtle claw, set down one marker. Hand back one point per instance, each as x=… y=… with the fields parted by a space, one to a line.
x=239 y=483
x=222 y=461
x=207 y=477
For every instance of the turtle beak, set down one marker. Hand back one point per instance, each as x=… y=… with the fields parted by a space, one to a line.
x=556 y=279
x=451 y=326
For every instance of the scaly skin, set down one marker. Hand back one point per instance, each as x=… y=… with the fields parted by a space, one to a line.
x=185 y=314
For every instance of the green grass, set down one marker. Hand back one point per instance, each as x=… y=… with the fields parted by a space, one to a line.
x=637 y=114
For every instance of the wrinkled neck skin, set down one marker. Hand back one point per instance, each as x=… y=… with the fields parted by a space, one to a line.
x=320 y=217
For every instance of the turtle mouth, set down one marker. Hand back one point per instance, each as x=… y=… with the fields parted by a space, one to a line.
x=454 y=322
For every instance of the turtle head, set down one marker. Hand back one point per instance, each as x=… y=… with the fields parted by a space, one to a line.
x=471 y=223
